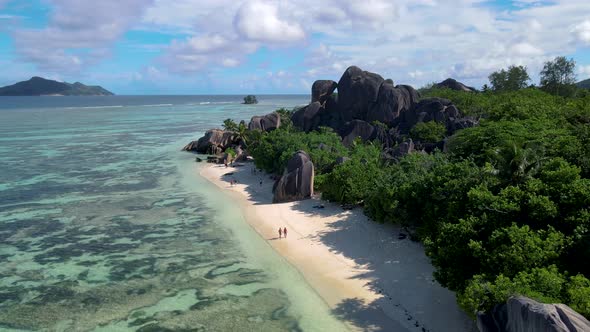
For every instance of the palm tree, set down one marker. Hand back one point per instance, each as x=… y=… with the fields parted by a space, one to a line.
x=242 y=131
x=230 y=125
x=518 y=161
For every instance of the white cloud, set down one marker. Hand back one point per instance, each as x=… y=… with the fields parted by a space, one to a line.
x=582 y=32
x=584 y=71
x=260 y=21
x=413 y=42
x=525 y=49
x=373 y=11
x=79 y=33
x=230 y=62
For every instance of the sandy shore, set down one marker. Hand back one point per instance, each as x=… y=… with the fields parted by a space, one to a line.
x=369 y=277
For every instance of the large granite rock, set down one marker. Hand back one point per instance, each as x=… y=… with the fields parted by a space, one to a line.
x=455 y=85
x=308 y=118
x=297 y=180
x=521 y=314
x=365 y=98
x=430 y=109
x=357 y=128
x=267 y=122
x=391 y=101
x=322 y=89
x=215 y=141
x=357 y=89
x=396 y=153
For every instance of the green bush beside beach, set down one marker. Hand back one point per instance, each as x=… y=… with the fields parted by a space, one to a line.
x=505 y=211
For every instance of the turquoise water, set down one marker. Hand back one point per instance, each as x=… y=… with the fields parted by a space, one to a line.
x=106 y=226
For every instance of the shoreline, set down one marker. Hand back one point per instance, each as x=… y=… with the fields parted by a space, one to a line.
x=368 y=277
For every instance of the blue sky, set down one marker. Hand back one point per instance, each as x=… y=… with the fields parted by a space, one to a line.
x=265 y=46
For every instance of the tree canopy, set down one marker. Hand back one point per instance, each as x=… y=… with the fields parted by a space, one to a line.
x=515 y=78
x=558 y=76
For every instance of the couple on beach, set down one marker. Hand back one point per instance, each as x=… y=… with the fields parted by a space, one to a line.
x=283 y=231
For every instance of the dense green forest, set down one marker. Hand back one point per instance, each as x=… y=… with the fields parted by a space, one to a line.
x=504 y=210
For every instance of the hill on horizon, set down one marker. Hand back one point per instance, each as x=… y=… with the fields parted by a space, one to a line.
x=585 y=84
x=39 y=86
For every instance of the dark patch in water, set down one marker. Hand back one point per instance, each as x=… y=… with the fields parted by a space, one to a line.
x=141 y=321
x=9 y=296
x=91 y=301
x=54 y=293
x=137 y=268
x=157 y=328
x=83 y=275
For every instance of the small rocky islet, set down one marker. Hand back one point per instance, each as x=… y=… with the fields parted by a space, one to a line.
x=371 y=108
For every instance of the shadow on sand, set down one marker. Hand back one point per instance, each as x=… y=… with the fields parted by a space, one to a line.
x=400 y=271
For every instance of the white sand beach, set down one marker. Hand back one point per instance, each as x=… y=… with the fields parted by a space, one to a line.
x=367 y=276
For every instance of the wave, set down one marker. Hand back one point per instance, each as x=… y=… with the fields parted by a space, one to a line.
x=108 y=106
x=212 y=103
x=153 y=105
x=118 y=106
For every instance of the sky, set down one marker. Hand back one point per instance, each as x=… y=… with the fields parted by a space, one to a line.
x=283 y=46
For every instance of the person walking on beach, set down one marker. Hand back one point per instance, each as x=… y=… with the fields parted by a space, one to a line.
x=280 y=233
x=285 y=232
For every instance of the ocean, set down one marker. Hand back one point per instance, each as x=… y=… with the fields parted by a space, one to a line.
x=105 y=225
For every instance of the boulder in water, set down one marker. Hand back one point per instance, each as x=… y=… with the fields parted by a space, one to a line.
x=214 y=141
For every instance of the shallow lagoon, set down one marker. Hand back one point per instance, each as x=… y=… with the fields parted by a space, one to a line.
x=106 y=226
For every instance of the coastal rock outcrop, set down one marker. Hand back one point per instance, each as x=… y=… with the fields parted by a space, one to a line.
x=455 y=85
x=308 y=117
x=522 y=314
x=434 y=109
x=357 y=89
x=297 y=180
x=266 y=122
x=391 y=102
x=402 y=149
x=357 y=128
x=321 y=90
x=214 y=141
x=362 y=95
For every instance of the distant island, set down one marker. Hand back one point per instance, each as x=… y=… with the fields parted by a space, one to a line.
x=39 y=86
x=250 y=99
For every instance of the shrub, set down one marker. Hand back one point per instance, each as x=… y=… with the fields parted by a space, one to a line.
x=428 y=132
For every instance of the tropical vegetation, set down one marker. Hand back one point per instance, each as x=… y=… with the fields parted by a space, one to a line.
x=504 y=211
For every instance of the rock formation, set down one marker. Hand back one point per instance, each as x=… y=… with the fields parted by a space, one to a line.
x=308 y=117
x=215 y=141
x=455 y=85
x=321 y=90
x=267 y=122
x=402 y=149
x=372 y=108
x=297 y=180
x=357 y=89
x=521 y=314
x=357 y=128
x=391 y=102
